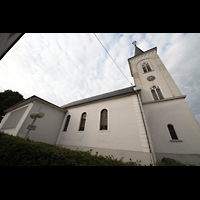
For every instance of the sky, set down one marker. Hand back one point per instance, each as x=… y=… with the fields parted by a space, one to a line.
x=65 y=67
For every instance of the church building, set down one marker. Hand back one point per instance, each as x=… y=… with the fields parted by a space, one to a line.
x=145 y=122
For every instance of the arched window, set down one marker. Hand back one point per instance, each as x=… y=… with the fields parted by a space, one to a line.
x=82 y=124
x=172 y=132
x=67 y=123
x=146 y=67
x=156 y=93
x=104 y=120
x=159 y=93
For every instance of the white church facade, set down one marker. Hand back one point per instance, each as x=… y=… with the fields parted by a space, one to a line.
x=145 y=122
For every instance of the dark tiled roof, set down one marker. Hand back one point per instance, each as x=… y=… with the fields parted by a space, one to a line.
x=100 y=97
x=138 y=51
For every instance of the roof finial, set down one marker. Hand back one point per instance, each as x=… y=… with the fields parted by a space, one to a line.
x=134 y=43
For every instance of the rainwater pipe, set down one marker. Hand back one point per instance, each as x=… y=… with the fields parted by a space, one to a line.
x=136 y=89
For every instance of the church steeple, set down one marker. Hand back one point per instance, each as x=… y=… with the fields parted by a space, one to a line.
x=138 y=51
x=152 y=76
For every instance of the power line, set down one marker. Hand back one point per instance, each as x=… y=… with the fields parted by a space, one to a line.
x=113 y=60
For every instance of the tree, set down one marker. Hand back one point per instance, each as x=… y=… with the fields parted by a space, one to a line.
x=8 y=98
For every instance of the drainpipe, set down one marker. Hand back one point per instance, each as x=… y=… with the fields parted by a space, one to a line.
x=139 y=101
x=61 y=126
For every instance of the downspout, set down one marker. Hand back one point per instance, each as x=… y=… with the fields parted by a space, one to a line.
x=151 y=156
x=61 y=126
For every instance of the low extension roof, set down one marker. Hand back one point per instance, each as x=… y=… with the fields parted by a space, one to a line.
x=31 y=99
x=128 y=90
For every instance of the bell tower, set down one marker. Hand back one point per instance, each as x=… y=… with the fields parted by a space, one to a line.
x=151 y=76
x=173 y=129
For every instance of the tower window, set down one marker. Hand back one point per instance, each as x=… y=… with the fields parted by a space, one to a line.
x=146 y=67
x=82 y=124
x=67 y=123
x=155 y=97
x=172 y=132
x=159 y=93
x=156 y=93
x=104 y=120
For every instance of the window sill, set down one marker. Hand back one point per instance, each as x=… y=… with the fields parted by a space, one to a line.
x=148 y=71
x=103 y=131
x=176 y=140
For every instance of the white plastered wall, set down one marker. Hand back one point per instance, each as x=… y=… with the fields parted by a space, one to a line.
x=125 y=136
x=14 y=131
x=175 y=112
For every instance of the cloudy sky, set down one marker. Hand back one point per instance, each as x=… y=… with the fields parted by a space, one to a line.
x=65 y=67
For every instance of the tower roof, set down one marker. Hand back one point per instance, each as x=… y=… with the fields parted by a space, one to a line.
x=138 y=51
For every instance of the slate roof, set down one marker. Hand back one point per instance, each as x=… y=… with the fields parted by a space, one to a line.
x=138 y=51
x=100 y=97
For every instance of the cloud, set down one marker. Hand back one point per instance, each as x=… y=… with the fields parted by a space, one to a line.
x=65 y=67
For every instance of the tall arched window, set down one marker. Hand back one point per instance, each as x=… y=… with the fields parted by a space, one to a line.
x=156 y=93
x=104 y=120
x=67 y=123
x=82 y=123
x=146 y=67
x=172 y=132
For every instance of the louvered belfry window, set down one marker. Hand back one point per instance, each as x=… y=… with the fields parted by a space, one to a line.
x=146 y=67
x=82 y=124
x=104 y=120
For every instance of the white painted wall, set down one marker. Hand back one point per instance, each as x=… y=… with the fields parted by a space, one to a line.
x=14 y=131
x=48 y=127
x=125 y=135
x=177 y=113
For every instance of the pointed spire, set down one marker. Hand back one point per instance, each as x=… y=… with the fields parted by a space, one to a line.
x=137 y=50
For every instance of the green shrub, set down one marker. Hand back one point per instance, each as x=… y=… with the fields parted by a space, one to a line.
x=170 y=162
x=15 y=151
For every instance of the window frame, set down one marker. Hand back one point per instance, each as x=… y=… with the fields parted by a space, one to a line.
x=146 y=66
x=100 y=124
x=81 y=127
x=159 y=95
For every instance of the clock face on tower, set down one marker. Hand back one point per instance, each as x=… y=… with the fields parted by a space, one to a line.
x=151 y=78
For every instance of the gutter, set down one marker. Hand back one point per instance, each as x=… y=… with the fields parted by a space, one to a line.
x=136 y=89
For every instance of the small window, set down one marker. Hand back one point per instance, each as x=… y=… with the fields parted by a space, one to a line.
x=156 y=93
x=104 y=120
x=82 y=124
x=67 y=123
x=146 y=67
x=172 y=132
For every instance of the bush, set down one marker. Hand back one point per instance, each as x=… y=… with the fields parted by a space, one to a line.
x=170 y=162
x=15 y=151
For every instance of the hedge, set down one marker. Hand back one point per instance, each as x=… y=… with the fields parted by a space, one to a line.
x=15 y=151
